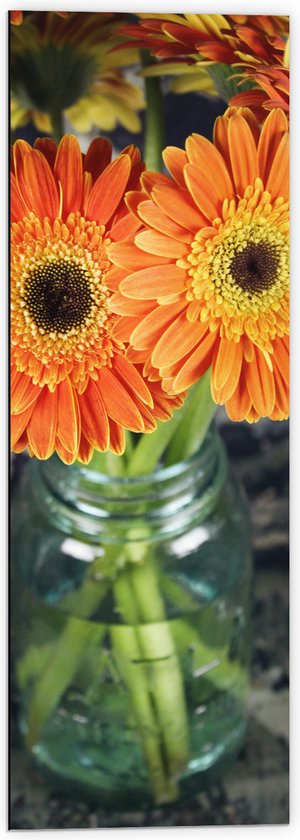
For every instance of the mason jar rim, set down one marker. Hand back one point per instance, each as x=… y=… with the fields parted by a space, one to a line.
x=160 y=473
x=168 y=498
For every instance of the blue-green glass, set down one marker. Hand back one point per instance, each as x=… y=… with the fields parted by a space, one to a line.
x=131 y=603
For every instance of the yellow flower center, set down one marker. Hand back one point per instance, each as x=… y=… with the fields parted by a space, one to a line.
x=250 y=268
x=60 y=318
x=238 y=269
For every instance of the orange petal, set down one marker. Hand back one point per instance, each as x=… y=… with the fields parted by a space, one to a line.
x=274 y=127
x=128 y=306
x=108 y=190
x=43 y=423
x=125 y=228
x=157 y=243
x=282 y=393
x=123 y=328
x=98 y=156
x=221 y=141
x=128 y=374
x=68 y=416
x=154 y=282
x=23 y=392
x=155 y=218
x=133 y=152
x=94 y=420
x=68 y=170
x=113 y=278
x=19 y=423
x=19 y=151
x=175 y=159
x=87 y=184
x=281 y=357
x=179 y=206
x=65 y=455
x=18 y=207
x=164 y=406
x=207 y=158
x=118 y=403
x=149 y=420
x=39 y=188
x=179 y=339
x=133 y=200
x=260 y=384
x=151 y=179
x=276 y=414
x=171 y=371
x=204 y=196
x=163 y=411
x=48 y=148
x=221 y=395
x=252 y=416
x=117 y=441
x=255 y=99
x=243 y=153
x=135 y=176
x=197 y=363
x=86 y=451
x=250 y=118
x=149 y=330
x=127 y=255
x=286 y=341
x=278 y=180
x=239 y=404
x=223 y=362
x=21 y=444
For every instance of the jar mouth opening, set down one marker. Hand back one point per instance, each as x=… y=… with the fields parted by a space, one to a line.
x=160 y=473
x=189 y=485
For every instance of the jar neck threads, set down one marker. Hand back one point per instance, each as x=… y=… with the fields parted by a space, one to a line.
x=164 y=501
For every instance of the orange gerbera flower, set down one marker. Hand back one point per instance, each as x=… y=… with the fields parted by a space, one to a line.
x=213 y=37
x=272 y=85
x=253 y=44
x=207 y=283
x=73 y=389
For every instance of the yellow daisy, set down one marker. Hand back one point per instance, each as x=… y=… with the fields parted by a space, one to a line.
x=65 y=66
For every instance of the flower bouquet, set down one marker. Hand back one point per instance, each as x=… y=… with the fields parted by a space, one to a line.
x=144 y=294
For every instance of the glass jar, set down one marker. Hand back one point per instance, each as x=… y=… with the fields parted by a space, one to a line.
x=131 y=626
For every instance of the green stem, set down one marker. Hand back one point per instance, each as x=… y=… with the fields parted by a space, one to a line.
x=133 y=670
x=224 y=674
x=134 y=674
x=83 y=603
x=56 y=117
x=129 y=446
x=158 y=649
x=124 y=598
x=156 y=671
x=53 y=674
x=150 y=448
x=154 y=131
x=59 y=672
x=195 y=422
